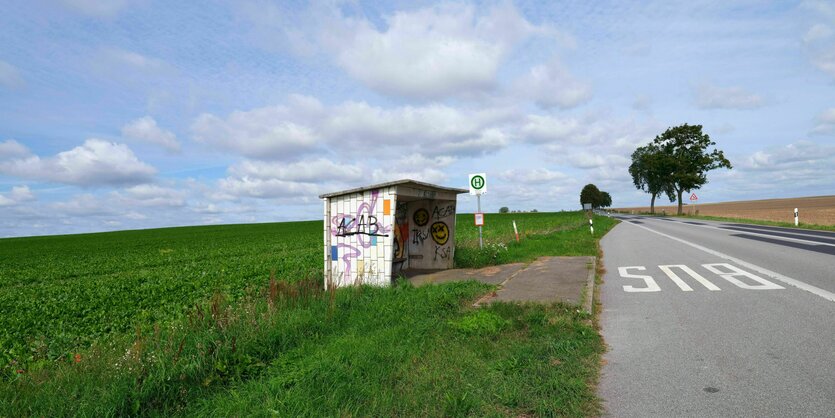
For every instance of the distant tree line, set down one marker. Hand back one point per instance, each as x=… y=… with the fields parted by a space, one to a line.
x=598 y=199
x=505 y=209
x=675 y=162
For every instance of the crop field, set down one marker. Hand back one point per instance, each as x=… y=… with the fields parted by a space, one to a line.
x=167 y=321
x=58 y=293
x=819 y=210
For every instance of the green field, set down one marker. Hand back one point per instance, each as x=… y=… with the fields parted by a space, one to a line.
x=77 y=308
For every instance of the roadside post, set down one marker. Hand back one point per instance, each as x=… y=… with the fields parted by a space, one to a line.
x=478 y=186
x=694 y=198
x=515 y=231
x=795 y=217
x=587 y=207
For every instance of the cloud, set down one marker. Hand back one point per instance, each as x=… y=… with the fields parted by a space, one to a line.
x=713 y=97
x=354 y=129
x=816 y=33
x=97 y=8
x=435 y=52
x=799 y=156
x=151 y=195
x=18 y=194
x=826 y=123
x=534 y=176
x=94 y=163
x=825 y=61
x=10 y=76
x=145 y=129
x=302 y=171
x=552 y=86
x=11 y=148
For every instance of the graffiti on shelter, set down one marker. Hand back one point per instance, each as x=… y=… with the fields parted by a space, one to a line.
x=443 y=211
x=421 y=217
x=364 y=226
x=442 y=252
x=440 y=232
x=419 y=236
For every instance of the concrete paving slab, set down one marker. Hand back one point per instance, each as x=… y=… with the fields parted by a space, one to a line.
x=495 y=275
x=549 y=279
x=546 y=280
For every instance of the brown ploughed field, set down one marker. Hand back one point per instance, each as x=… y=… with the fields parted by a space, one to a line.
x=818 y=210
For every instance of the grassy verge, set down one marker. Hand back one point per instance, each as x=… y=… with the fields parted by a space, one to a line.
x=366 y=351
x=761 y=222
x=747 y=221
x=551 y=234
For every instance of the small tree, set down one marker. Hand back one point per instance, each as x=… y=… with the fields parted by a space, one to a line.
x=650 y=170
x=590 y=194
x=504 y=209
x=686 y=151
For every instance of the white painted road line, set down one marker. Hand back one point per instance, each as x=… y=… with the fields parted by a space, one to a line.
x=777 y=237
x=777 y=276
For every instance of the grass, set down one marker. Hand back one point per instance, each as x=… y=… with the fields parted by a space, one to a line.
x=187 y=321
x=364 y=351
x=542 y=234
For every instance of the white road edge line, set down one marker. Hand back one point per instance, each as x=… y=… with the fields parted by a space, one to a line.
x=777 y=276
x=758 y=234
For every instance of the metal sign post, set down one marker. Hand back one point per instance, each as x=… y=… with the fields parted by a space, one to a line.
x=478 y=186
x=694 y=199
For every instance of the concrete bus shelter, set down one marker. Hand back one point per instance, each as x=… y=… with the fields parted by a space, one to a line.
x=375 y=233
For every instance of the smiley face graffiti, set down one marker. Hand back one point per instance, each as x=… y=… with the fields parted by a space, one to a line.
x=440 y=233
x=421 y=217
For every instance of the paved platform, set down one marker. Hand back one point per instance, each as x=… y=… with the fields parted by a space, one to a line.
x=546 y=280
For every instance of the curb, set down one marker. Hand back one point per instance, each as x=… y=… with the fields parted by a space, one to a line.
x=589 y=299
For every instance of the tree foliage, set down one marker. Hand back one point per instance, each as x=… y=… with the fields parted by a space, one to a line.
x=650 y=171
x=504 y=209
x=598 y=199
x=675 y=162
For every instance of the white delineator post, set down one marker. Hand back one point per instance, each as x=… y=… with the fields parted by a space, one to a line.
x=591 y=225
x=795 y=217
x=515 y=231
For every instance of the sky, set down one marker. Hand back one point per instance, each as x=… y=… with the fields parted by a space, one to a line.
x=132 y=114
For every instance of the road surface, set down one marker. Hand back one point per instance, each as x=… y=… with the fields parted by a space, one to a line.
x=717 y=319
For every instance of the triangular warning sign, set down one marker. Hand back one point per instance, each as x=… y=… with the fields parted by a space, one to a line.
x=694 y=197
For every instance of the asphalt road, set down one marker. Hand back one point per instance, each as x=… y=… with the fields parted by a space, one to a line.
x=717 y=319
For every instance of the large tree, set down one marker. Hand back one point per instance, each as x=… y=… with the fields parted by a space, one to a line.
x=650 y=170
x=686 y=151
x=590 y=194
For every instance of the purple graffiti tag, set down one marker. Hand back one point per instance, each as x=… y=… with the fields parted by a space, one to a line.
x=347 y=256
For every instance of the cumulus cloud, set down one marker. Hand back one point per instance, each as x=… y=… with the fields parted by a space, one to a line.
x=18 y=194
x=11 y=148
x=433 y=52
x=713 y=97
x=10 y=76
x=145 y=129
x=800 y=156
x=825 y=61
x=552 y=85
x=305 y=126
x=94 y=163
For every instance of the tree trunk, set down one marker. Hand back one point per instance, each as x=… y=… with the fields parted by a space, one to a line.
x=652 y=205
x=680 y=191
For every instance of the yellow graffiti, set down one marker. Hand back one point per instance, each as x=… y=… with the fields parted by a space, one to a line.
x=440 y=233
x=421 y=217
